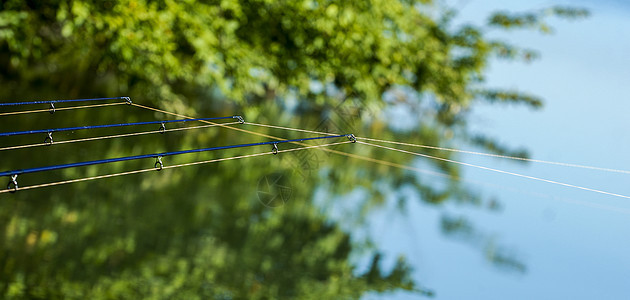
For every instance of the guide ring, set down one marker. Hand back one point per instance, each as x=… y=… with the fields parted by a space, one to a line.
x=162 y=128
x=274 y=150
x=49 y=139
x=158 y=164
x=52 y=108
x=14 y=183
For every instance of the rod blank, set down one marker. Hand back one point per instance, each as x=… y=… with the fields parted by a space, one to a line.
x=154 y=155
x=64 y=101
x=108 y=126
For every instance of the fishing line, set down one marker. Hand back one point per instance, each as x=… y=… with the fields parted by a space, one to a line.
x=113 y=136
x=158 y=156
x=369 y=159
x=61 y=108
x=498 y=171
x=454 y=150
x=167 y=167
x=126 y=99
x=500 y=156
x=53 y=130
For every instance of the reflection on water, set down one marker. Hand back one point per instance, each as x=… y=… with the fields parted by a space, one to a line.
x=246 y=228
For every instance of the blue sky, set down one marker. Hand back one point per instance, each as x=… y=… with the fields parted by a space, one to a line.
x=574 y=243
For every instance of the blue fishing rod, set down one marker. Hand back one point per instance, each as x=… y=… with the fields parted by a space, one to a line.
x=158 y=156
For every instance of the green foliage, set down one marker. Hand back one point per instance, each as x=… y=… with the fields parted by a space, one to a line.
x=170 y=49
x=511 y=97
x=535 y=20
x=199 y=233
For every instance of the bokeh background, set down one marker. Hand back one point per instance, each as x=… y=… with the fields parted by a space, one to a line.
x=573 y=243
x=537 y=80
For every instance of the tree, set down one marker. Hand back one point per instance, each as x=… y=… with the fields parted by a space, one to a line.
x=337 y=58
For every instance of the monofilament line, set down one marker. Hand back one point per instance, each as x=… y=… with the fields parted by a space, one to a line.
x=113 y=136
x=453 y=150
x=60 y=108
x=499 y=156
x=53 y=130
x=497 y=170
x=126 y=99
x=168 y=167
x=155 y=155
x=355 y=156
